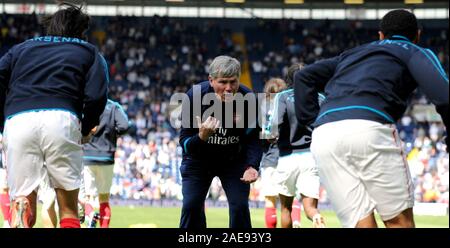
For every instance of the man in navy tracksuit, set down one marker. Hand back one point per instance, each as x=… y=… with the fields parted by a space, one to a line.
x=213 y=149
x=355 y=142
x=53 y=90
x=98 y=159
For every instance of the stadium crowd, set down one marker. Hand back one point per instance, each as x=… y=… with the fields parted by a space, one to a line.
x=152 y=58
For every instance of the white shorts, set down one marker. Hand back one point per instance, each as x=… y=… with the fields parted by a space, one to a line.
x=297 y=175
x=362 y=167
x=98 y=179
x=32 y=138
x=3 y=181
x=268 y=185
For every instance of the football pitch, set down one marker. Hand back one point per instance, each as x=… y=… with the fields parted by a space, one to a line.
x=154 y=217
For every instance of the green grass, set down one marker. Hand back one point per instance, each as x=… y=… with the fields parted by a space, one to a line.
x=131 y=216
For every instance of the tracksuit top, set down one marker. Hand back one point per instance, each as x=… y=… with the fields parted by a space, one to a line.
x=54 y=73
x=371 y=82
x=271 y=153
x=292 y=137
x=101 y=149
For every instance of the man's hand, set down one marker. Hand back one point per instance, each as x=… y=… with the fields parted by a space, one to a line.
x=250 y=175
x=86 y=139
x=207 y=128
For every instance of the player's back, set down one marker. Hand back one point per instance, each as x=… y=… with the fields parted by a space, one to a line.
x=49 y=72
x=292 y=137
x=373 y=81
x=113 y=123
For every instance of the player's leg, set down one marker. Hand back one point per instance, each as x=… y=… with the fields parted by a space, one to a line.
x=82 y=199
x=237 y=194
x=89 y=210
x=25 y=166
x=270 y=193
x=285 y=178
x=404 y=220
x=308 y=186
x=336 y=148
x=367 y=222
x=105 y=210
x=23 y=213
x=47 y=196
x=270 y=211
x=5 y=202
x=91 y=181
x=92 y=216
x=63 y=153
x=296 y=214
x=389 y=181
x=5 y=206
x=286 y=210
x=195 y=185
x=68 y=208
x=103 y=181
x=49 y=217
x=312 y=212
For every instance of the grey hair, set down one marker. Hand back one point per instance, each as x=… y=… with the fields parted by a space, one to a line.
x=225 y=66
